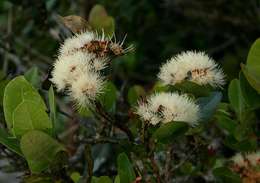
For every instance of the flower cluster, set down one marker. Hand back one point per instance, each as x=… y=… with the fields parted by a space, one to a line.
x=247 y=166
x=77 y=70
x=252 y=159
x=196 y=67
x=167 y=107
x=191 y=66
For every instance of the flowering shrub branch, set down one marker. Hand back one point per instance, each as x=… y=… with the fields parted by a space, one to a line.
x=176 y=131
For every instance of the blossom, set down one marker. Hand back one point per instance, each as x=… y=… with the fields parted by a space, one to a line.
x=167 y=107
x=239 y=160
x=75 y=43
x=193 y=66
x=67 y=68
x=86 y=88
x=90 y=42
x=251 y=159
x=77 y=68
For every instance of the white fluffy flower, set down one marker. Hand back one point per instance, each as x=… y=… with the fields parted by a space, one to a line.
x=252 y=159
x=197 y=67
x=167 y=107
x=86 y=88
x=67 y=68
x=76 y=42
x=239 y=160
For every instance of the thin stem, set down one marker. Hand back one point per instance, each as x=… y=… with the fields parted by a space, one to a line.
x=90 y=163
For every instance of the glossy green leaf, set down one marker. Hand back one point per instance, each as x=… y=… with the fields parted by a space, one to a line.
x=235 y=97
x=10 y=142
x=17 y=91
x=252 y=77
x=252 y=98
x=75 y=176
x=134 y=94
x=226 y=175
x=40 y=150
x=246 y=145
x=208 y=105
x=32 y=75
x=226 y=123
x=125 y=169
x=253 y=58
x=252 y=68
x=28 y=116
x=169 y=131
x=117 y=179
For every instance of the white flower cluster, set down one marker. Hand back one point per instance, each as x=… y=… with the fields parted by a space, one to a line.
x=77 y=70
x=167 y=107
x=191 y=66
x=252 y=159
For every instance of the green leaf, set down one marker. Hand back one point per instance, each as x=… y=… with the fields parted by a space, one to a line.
x=159 y=87
x=75 y=176
x=226 y=123
x=28 y=116
x=253 y=58
x=117 y=179
x=252 y=77
x=102 y=179
x=134 y=94
x=15 y=93
x=108 y=99
x=168 y=131
x=252 y=98
x=208 y=105
x=226 y=175
x=246 y=145
x=235 y=97
x=52 y=107
x=10 y=142
x=252 y=68
x=40 y=150
x=32 y=75
x=125 y=169
x=100 y=21
x=193 y=88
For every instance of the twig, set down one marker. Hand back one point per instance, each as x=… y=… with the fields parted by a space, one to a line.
x=101 y=141
x=90 y=163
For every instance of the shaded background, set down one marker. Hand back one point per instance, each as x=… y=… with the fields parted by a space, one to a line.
x=159 y=29
x=30 y=33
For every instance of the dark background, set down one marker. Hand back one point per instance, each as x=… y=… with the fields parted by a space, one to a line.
x=158 y=29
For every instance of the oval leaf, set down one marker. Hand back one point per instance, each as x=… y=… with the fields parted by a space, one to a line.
x=168 y=131
x=28 y=116
x=125 y=169
x=40 y=150
x=235 y=97
x=226 y=175
x=15 y=93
